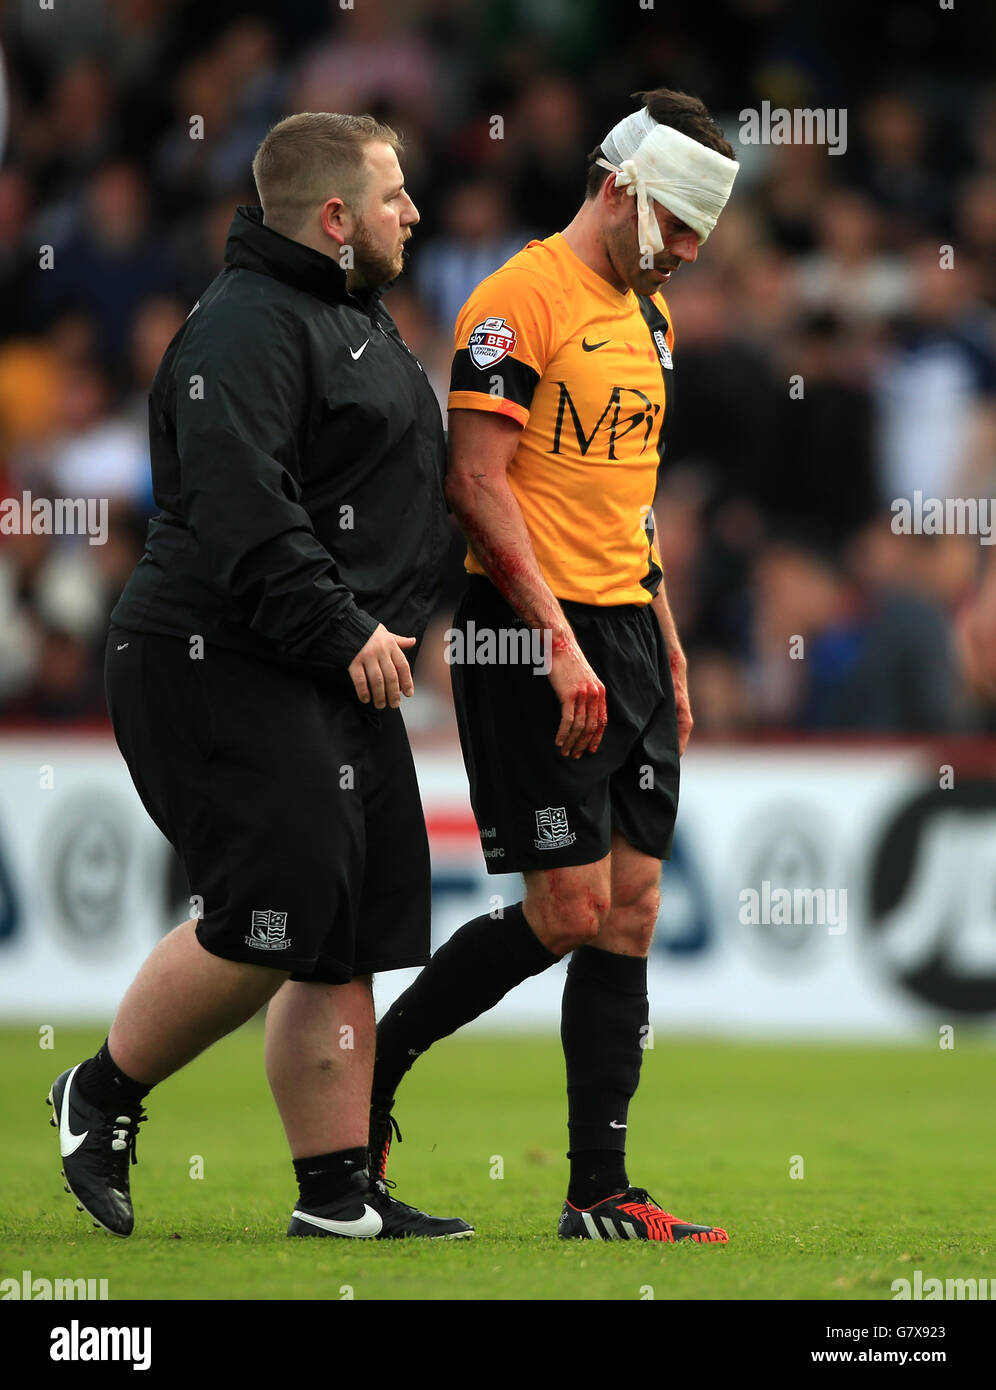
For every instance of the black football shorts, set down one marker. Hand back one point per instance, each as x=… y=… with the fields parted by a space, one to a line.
x=536 y=809
x=294 y=809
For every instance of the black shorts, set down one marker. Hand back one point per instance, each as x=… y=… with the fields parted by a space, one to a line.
x=536 y=809
x=294 y=809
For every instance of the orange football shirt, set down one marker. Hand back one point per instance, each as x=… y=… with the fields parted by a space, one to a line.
x=586 y=371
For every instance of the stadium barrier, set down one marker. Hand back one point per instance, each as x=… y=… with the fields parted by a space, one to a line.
x=838 y=891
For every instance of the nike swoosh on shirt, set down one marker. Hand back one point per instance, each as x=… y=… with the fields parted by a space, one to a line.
x=590 y=347
x=356 y=354
x=68 y=1141
x=369 y=1224
x=614 y=1124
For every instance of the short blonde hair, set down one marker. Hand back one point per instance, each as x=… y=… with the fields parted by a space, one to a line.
x=311 y=157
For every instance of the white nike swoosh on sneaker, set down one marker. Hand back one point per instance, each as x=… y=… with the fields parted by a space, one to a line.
x=68 y=1141
x=614 y=1124
x=122 y=646
x=369 y=1224
x=356 y=354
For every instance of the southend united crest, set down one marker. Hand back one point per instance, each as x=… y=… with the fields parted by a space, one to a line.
x=552 y=829
x=268 y=931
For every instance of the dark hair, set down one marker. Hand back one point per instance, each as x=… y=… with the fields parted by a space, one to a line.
x=680 y=111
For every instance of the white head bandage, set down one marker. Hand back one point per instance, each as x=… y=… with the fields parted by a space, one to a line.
x=657 y=161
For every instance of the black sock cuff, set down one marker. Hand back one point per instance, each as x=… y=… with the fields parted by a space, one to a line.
x=523 y=942
x=324 y=1178
x=622 y=974
x=330 y=1162
x=595 y=1175
x=104 y=1084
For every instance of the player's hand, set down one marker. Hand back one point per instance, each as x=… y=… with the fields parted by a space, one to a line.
x=582 y=702
x=975 y=631
x=682 y=705
x=379 y=670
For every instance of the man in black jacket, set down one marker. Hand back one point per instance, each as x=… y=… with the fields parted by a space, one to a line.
x=255 y=668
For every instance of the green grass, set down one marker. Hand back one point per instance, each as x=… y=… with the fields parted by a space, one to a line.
x=897 y=1146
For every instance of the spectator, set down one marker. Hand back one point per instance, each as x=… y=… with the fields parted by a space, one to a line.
x=476 y=238
x=896 y=172
x=100 y=454
x=936 y=389
x=822 y=481
x=114 y=261
x=823 y=268
x=849 y=273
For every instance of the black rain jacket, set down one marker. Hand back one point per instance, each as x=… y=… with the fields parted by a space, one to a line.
x=298 y=459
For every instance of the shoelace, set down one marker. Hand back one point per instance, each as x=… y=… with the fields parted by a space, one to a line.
x=387 y=1115
x=124 y=1137
x=380 y=1159
x=642 y=1196
x=382 y=1185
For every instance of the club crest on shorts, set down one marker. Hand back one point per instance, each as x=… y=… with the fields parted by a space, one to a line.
x=268 y=931
x=552 y=828
x=490 y=341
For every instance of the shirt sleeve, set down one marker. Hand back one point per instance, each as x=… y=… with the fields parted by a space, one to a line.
x=240 y=409
x=503 y=340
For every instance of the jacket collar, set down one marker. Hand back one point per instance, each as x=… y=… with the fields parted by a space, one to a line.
x=252 y=246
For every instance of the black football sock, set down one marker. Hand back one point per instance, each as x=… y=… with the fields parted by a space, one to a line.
x=479 y=964
x=603 y=1023
x=326 y=1177
x=595 y=1175
x=102 y=1082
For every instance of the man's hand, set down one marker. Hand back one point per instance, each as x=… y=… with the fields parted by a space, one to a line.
x=679 y=668
x=682 y=705
x=379 y=670
x=975 y=631
x=582 y=701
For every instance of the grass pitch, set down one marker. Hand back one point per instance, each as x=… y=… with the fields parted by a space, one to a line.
x=895 y=1144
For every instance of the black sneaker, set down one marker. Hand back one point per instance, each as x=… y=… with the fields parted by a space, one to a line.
x=383 y=1126
x=371 y=1213
x=632 y=1215
x=96 y=1146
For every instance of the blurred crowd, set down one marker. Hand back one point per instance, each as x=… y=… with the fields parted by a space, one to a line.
x=835 y=343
